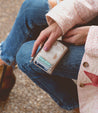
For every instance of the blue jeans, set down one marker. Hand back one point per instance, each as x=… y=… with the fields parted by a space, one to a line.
x=18 y=47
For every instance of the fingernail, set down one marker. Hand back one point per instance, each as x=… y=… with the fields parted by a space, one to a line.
x=45 y=48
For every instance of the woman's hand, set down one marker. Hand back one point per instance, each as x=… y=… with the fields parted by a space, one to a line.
x=51 y=33
x=77 y=36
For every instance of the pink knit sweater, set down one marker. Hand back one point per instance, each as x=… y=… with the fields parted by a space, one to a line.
x=71 y=12
x=67 y=14
x=88 y=75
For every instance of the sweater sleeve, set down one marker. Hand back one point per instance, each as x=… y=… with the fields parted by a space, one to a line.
x=70 y=13
x=91 y=45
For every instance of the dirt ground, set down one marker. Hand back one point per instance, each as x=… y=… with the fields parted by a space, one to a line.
x=25 y=97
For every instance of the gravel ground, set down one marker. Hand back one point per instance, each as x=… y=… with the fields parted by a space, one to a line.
x=25 y=97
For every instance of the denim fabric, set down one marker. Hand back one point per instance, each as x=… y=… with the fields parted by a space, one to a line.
x=58 y=85
x=29 y=22
x=30 y=17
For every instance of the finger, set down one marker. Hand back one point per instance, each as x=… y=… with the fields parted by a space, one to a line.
x=41 y=44
x=70 y=33
x=51 y=40
x=73 y=39
x=41 y=38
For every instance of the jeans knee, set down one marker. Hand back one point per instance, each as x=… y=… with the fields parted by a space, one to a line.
x=34 y=11
x=19 y=58
x=23 y=55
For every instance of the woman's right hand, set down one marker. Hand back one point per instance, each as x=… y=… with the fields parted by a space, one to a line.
x=50 y=35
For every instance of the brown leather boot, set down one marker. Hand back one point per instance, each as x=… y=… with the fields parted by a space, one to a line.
x=77 y=110
x=7 y=81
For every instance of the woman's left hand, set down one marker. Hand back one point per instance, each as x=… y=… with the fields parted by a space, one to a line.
x=77 y=36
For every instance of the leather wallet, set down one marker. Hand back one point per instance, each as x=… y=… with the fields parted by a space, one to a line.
x=47 y=61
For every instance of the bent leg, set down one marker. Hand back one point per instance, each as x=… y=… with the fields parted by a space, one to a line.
x=62 y=89
x=70 y=63
x=30 y=17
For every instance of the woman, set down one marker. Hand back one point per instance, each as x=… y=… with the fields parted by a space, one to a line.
x=29 y=23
